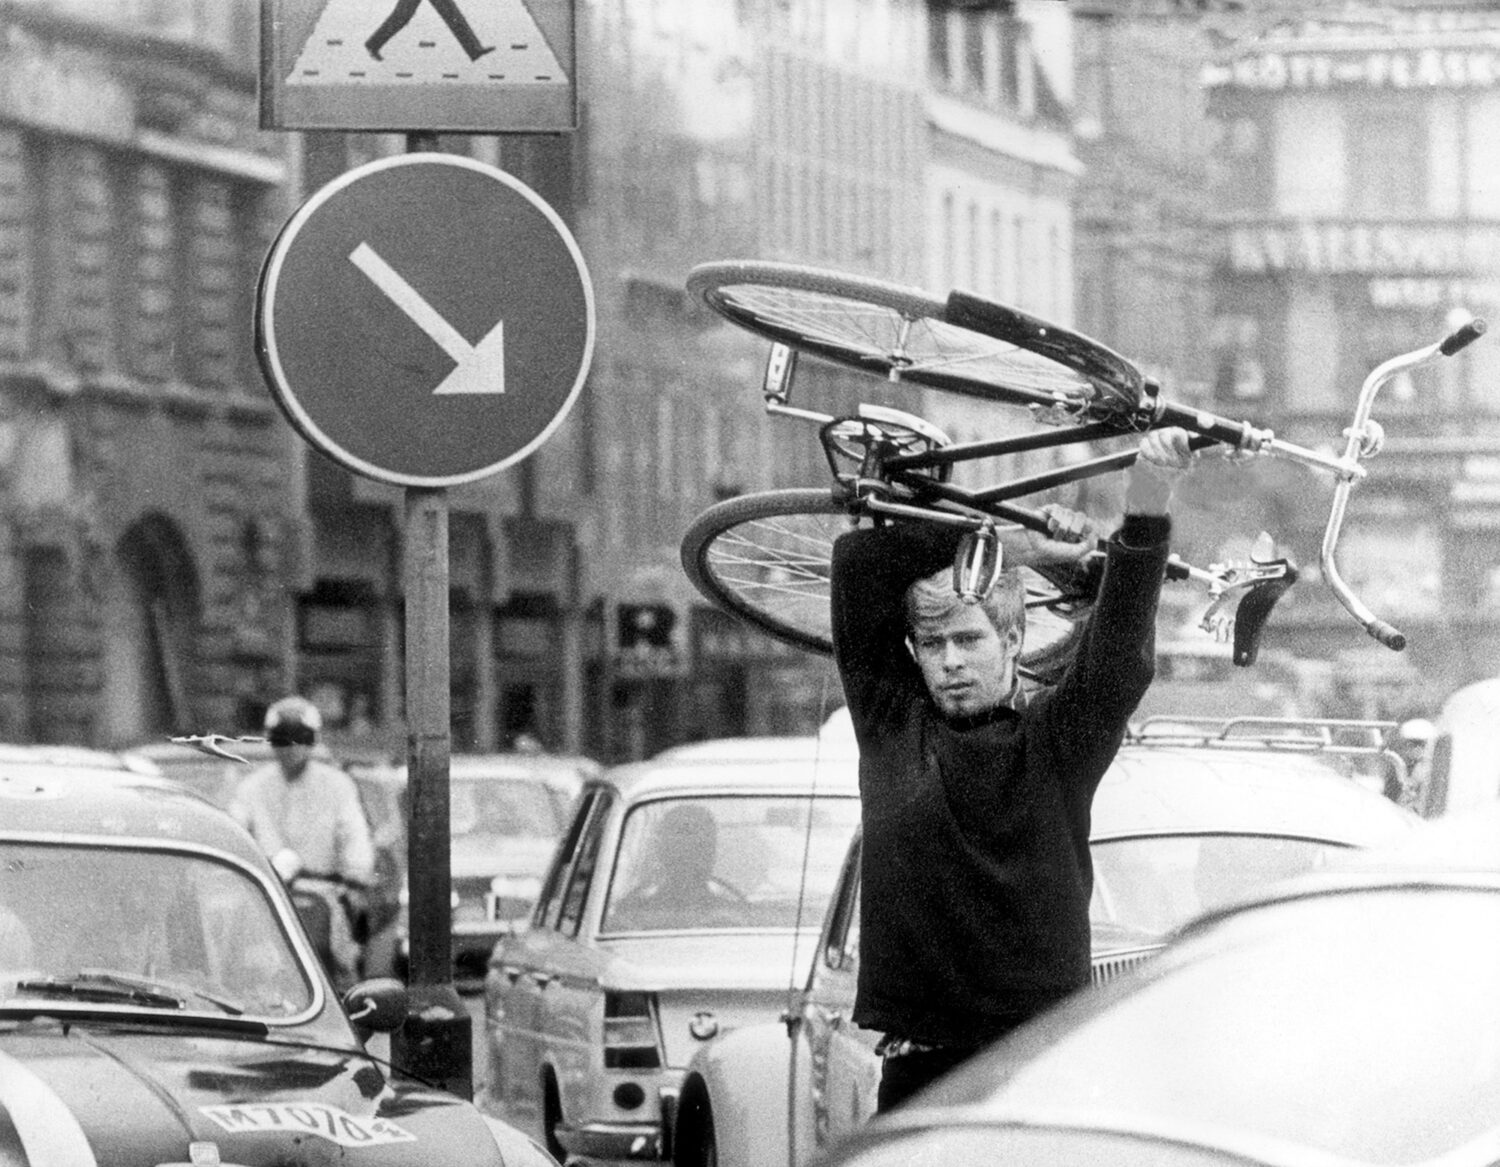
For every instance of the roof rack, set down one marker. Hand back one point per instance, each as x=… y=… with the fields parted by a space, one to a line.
x=1314 y=735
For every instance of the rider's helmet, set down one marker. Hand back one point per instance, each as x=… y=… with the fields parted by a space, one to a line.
x=293 y=721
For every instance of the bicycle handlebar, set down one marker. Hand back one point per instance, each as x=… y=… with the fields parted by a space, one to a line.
x=1360 y=441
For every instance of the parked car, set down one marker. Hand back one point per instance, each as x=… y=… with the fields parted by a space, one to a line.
x=1344 y=1018
x=682 y=902
x=1192 y=814
x=160 y=1003
x=1460 y=770
x=506 y=813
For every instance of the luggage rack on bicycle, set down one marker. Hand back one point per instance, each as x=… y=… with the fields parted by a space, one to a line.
x=764 y=556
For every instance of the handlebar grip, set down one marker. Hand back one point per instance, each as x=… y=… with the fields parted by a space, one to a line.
x=1387 y=634
x=1464 y=336
x=1203 y=424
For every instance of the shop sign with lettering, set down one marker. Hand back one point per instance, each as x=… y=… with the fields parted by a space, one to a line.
x=1335 y=248
x=1433 y=68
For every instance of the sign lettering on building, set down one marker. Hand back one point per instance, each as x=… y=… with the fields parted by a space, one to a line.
x=1336 y=248
x=1429 y=292
x=1431 y=68
x=649 y=663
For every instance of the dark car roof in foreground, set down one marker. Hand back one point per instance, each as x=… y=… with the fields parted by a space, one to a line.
x=112 y=805
x=1344 y=1018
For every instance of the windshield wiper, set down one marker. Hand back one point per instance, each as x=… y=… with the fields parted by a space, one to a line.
x=159 y=994
x=101 y=988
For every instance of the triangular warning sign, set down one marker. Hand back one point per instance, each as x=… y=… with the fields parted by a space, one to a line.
x=398 y=42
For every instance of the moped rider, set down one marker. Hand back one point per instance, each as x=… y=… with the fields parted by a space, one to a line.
x=306 y=815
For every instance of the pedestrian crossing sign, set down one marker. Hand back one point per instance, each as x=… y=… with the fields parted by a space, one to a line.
x=456 y=66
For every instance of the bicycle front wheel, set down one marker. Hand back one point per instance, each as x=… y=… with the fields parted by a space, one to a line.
x=905 y=334
x=767 y=558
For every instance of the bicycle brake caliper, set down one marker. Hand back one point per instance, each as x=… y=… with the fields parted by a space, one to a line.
x=977 y=564
x=1243 y=597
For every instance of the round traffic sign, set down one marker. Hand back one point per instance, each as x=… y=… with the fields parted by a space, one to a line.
x=425 y=320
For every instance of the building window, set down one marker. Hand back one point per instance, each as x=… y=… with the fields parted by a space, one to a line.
x=1387 y=155
x=1243 y=162
x=1239 y=370
x=938 y=46
x=1012 y=61
x=973 y=31
x=1090 y=76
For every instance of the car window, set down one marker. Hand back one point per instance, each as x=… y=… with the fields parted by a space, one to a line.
x=549 y=902
x=503 y=809
x=1153 y=884
x=582 y=875
x=728 y=862
x=841 y=947
x=198 y=929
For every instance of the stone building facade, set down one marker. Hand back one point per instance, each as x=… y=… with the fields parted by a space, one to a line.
x=150 y=517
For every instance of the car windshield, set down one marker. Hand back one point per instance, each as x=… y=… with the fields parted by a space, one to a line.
x=728 y=863
x=503 y=808
x=1146 y=887
x=147 y=928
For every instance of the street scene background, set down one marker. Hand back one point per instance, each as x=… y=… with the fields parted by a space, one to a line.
x=1255 y=202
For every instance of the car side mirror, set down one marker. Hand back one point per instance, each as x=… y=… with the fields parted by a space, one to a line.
x=376 y=1006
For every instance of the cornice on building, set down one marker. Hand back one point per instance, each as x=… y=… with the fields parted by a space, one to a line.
x=1048 y=150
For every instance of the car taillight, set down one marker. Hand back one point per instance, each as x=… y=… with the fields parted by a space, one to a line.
x=630 y=1035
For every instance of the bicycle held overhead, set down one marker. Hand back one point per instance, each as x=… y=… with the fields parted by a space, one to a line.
x=764 y=556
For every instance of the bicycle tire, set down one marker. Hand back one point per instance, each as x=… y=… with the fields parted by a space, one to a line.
x=905 y=334
x=766 y=558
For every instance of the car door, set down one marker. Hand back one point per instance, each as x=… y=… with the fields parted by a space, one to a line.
x=844 y=1070
x=517 y=979
x=570 y=994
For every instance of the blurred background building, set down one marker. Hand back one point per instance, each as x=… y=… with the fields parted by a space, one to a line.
x=1255 y=205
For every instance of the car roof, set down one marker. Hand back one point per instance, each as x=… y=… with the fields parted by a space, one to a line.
x=1250 y=1075
x=65 y=755
x=1180 y=788
x=110 y=805
x=750 y=765
x=1189 y=776
x=554 y=769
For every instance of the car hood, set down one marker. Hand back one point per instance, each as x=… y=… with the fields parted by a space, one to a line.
x=476 y=856
x=85 y=1095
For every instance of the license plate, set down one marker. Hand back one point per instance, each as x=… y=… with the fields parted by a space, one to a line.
x=309 y=1118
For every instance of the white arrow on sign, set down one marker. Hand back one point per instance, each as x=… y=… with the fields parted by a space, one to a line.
x=480 y=368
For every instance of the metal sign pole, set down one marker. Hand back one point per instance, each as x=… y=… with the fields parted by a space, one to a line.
x=436 y=1042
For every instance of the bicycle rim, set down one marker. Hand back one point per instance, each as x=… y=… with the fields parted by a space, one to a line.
x=885 y=329
x=767 y=558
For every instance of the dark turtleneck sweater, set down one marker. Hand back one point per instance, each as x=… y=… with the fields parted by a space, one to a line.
x=976 y=873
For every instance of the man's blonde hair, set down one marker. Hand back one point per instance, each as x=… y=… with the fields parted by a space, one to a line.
x=933 y=598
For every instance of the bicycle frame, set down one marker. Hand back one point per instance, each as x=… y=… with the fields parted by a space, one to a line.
x=882 y=467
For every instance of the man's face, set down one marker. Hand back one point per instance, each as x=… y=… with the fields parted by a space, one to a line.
x=968 y=666
x=292 y=758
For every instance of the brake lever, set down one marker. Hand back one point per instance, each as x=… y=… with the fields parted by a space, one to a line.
x=1243 y=596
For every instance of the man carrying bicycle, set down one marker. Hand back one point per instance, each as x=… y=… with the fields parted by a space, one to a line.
x=976 y=795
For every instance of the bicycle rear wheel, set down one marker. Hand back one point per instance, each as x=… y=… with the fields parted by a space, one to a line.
x=905 y=334
x=766 y=558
